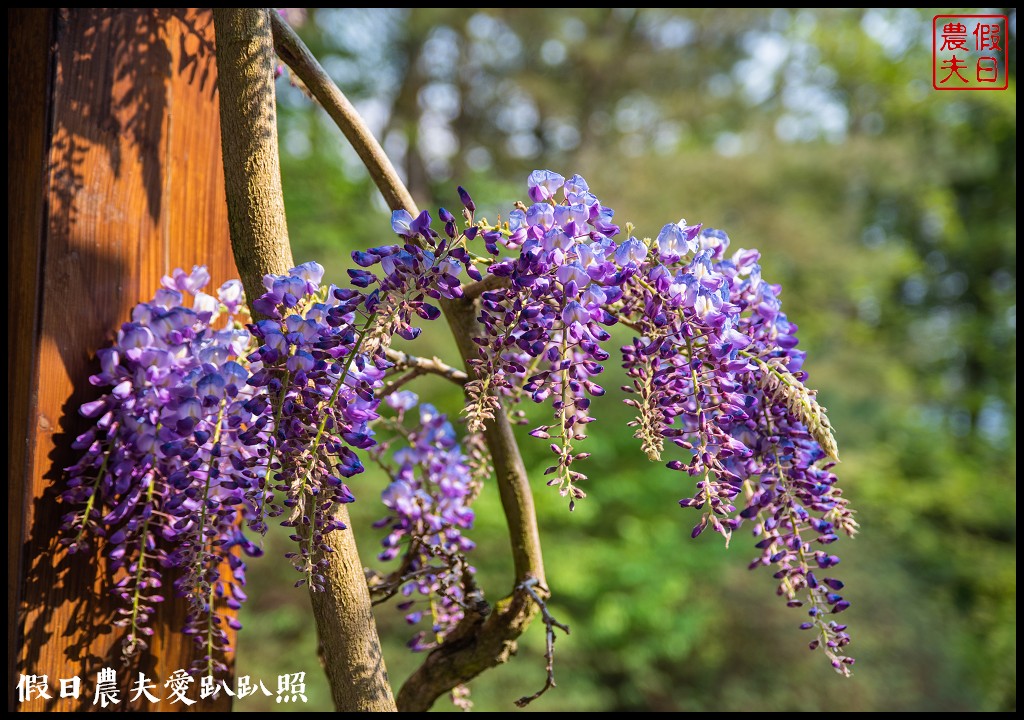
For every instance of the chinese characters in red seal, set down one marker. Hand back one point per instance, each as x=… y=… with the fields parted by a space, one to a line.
x=969 y=52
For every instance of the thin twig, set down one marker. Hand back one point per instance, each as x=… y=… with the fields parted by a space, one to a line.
x=383 y=588
x=393 y=385
x=433 y=365
x=549 y=655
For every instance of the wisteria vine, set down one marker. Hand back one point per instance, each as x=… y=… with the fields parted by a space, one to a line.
x=212 y=425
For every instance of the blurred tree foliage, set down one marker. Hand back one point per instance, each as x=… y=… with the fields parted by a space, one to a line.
x=886 y=210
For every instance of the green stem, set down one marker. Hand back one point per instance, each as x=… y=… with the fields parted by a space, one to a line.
x=140 y=566
x=92 y=496
x=209 y=632
x=265 y=480
x=334 y=398
x=566 y=440
x=301 y=494
x=202 y=555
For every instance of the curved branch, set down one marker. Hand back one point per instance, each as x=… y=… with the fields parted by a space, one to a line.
x=434 y=366
x=294 y=53
x=490 y=282
x=394 y=385
x=483 y=639
x=350 y=647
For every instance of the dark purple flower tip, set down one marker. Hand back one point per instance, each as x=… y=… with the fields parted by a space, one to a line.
x=825 y=560
x=361 y=278
x=840 y=606
x=467 y=201
x=749 y=512
x=346 y=294
x=427 y=311
x=365 y=259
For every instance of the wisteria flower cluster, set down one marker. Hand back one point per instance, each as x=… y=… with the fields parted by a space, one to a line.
x=713 y=366
x=211 y=426
x=428 y=502
x=315 y=412
x=159 y=476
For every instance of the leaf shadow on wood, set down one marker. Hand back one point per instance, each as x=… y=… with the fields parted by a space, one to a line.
x=110 y=118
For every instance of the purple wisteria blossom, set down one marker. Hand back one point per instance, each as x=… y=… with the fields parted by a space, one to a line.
x=426 y=266
x=713 y=366
x=543 y=332
x=156 y=469
x=428 y=497
x=313 y=409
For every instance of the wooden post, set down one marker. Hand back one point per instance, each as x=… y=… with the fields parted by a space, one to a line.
x=115 y=178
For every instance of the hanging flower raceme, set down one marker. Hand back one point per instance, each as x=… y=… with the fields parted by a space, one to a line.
x=543 y=331
x=155 y=480
x=428 y=497
x=713 y=369
x=314 y=409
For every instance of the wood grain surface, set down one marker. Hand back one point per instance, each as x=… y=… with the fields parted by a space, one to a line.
x=115 y=178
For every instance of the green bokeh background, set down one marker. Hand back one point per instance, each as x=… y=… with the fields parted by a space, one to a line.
x=887 y=212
